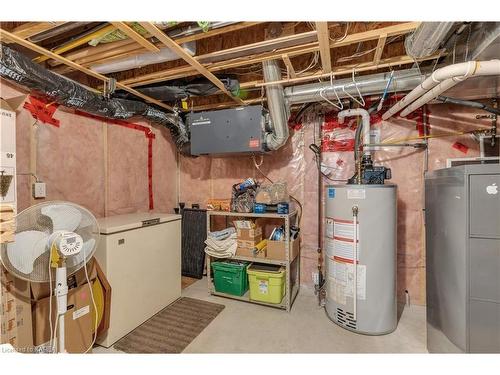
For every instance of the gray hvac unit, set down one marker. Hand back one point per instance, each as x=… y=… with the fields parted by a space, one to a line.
x=224 y=131
x=462 y=214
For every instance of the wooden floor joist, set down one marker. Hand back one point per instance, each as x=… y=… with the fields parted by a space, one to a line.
x=380 y=48
x=181 y=52
x=289 y=66
x=125 y=48
x=32 y=46
x=132 y=34
x=30 y=29
x=185 y=71
x=324 y=46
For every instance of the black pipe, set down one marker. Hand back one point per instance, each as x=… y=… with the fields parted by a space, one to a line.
x=468 y=103
x=18 y=68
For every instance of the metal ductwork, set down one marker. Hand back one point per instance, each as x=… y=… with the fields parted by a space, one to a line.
x=488 y=43
x=403 y=80
x=427 y=38
x=143 y=59
x=20 y=69
x=278 y=108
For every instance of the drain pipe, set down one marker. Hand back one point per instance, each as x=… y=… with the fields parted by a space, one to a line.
x=278 y=108
x=365 y=117
x=441 y=80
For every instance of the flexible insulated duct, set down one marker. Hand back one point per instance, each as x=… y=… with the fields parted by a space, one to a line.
x=20 y=69
x=404 y=80
x=279 y=110
x=427 y=38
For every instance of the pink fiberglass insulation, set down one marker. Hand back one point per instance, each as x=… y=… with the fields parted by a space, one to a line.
x=208 y=177
x=71 y=161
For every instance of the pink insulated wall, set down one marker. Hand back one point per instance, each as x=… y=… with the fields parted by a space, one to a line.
x=212 y=177
x=100 y=166
x=104 y=168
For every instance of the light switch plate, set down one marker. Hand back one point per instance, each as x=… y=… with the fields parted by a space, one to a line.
x=39 y=190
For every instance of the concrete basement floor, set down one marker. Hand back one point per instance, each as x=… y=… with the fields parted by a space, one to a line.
x=248 y=328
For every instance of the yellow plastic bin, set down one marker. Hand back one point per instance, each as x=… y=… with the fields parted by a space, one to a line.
x=267 y=283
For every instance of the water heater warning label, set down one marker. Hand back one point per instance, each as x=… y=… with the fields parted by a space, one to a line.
x=342 y=233
x=341 y=279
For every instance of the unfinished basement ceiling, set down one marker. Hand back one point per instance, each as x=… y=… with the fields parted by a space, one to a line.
x=231 y=51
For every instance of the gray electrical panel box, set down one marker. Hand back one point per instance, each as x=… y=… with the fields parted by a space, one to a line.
x=232 y=130
x=462 y=221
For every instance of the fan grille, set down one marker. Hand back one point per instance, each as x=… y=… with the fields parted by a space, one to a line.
x=80 y=220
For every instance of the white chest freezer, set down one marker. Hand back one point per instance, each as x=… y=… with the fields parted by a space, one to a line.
x=140 y=255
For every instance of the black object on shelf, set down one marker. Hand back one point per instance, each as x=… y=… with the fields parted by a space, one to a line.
x=194 y=234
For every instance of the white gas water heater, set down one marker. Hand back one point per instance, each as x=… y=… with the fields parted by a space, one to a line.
x=360 y=246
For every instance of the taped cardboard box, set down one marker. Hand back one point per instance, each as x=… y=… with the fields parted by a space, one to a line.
x=77 y=321
x=254 y=234
x=248 y=252
x=8 y=195
x=15 y=312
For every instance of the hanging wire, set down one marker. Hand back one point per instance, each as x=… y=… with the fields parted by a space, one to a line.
x=366 y=52
x=467 y=43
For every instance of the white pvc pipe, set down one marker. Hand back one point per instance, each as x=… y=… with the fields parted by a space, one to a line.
x=444 y=78
x=365 y=117
x=431 y=94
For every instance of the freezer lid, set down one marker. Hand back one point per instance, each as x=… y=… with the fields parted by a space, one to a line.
x=120 y=223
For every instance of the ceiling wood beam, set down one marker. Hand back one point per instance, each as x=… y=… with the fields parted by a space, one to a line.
x=347 y=69
x=289 y=66
x=181 y=52
x=125 y=48
x=205 y=107
x=132 y=34
x=380 y=48
x=183 y=71
x=77 y=42
x=30 y=29
x=324 y=46
x=52 y=55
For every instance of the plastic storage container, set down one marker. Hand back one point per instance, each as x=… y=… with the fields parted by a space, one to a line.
x=230 y=277
x=267 y=283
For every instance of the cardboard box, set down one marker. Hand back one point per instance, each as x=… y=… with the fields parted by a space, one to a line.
x=8 y=195
x=15 y=312
x=248 y=252
x=42 y=290
x=254 y=234
x=77 y=320
x=276 y=249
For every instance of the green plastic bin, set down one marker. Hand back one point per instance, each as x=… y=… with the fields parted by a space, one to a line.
x=267 y=283
x=230 y=277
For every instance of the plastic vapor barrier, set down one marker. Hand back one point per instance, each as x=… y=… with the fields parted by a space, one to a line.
x=20 y=69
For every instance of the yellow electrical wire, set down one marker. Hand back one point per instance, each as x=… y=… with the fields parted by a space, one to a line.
x=77 y=42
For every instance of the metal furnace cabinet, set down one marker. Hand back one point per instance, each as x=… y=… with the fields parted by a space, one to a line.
x=463 y=259
x=141 y=257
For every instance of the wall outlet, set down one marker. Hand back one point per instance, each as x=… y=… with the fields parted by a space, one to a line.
x=315 y=278
x=39 y=190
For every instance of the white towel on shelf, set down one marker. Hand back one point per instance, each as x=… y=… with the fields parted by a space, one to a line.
x=221 y=244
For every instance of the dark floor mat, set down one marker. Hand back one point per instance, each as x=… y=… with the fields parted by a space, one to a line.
x=172 y=329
